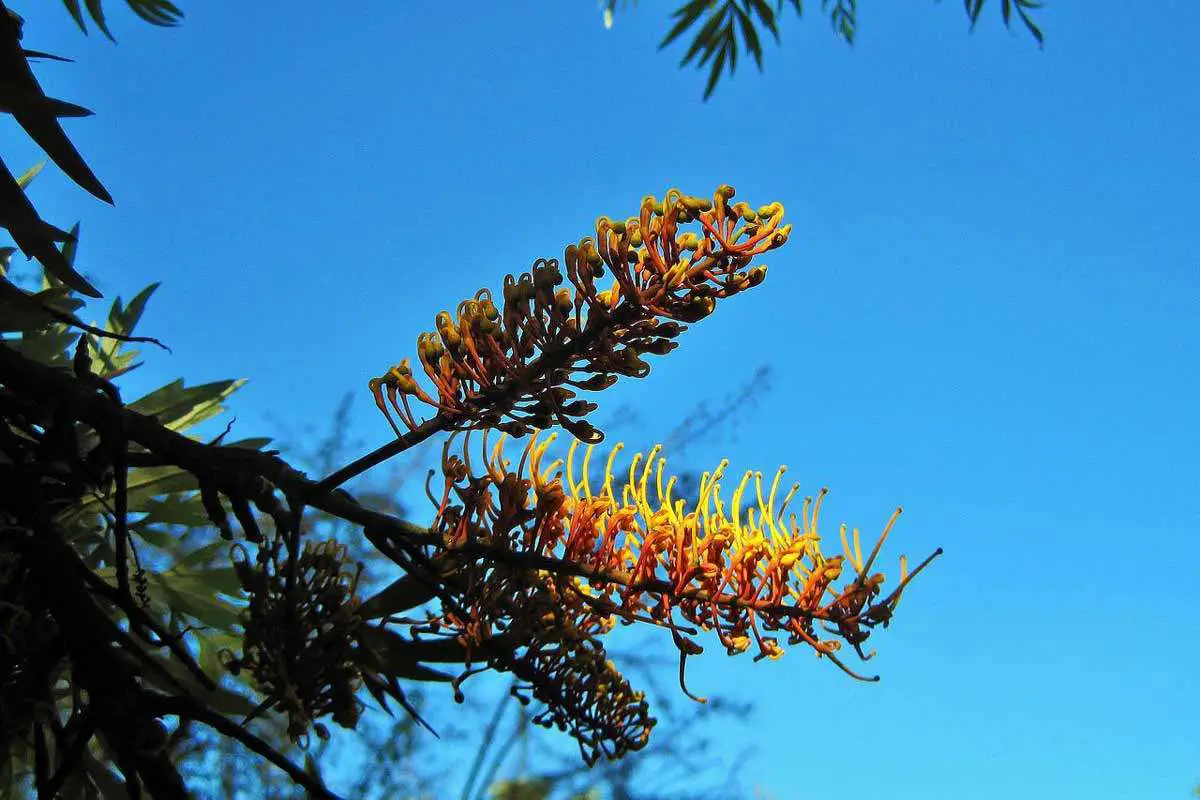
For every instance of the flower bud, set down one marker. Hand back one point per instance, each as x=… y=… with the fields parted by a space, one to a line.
x=597 y=383
x=769 y=210
x=659 y=347
x=583 y=431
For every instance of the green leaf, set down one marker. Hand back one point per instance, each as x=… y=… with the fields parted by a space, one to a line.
x=221 y=699
x=750 y=35
x=402 y=594
x=706 y=39
x=48 y=346
x=715 y=74
x=123 y=320
x=156 y=12
x=194 y=594
x=76 y=13
x=396 y=656
x=687 y=16
x=252 y=442
x=97 y=11
x=767 y=16
x=30 y=174
x=178 y=407
x=143 y=483
x=203 y=555
x=173 y=509
x=521 y=789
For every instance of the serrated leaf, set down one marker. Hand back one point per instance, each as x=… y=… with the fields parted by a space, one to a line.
x=123 y=319
x=177 y=407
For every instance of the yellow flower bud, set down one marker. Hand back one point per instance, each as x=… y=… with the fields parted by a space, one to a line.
x=744 y=211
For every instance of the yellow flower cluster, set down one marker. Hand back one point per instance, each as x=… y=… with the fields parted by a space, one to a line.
x=516 y=364
x=746 y=569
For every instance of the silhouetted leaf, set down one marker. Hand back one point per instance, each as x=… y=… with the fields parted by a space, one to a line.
x=687 y=15
x=751 y=37
x=396 y=656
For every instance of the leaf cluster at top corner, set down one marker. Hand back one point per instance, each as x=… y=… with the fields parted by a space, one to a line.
x=163 y=13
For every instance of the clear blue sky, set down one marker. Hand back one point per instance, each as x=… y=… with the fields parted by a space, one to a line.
x=987 y=312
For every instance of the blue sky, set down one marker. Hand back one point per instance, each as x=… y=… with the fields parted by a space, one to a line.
x=986 y=313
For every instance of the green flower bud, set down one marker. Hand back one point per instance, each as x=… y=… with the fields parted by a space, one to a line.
x=769 y=210
x=744 y=211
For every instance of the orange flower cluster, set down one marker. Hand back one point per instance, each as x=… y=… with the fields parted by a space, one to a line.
x=632 y=551
x=522 y=621
x=516 y=365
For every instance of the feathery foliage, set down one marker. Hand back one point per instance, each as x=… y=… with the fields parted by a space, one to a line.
x=152 y=584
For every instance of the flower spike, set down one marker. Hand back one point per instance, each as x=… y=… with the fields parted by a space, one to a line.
x=515 y=363
x=628 y=551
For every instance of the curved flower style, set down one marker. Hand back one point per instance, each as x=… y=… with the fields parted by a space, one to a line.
x=629 y=550
x=515 y=366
